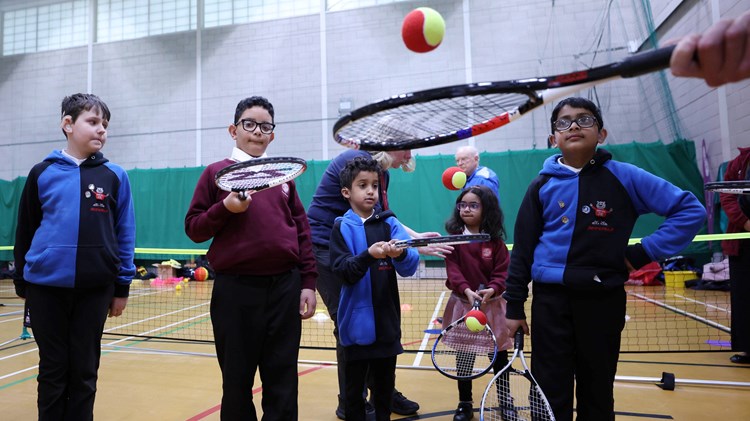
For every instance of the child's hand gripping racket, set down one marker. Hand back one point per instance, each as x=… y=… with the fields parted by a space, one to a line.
x=513 y=394
x=465 y=351
x=446 y=240
x=259 y=174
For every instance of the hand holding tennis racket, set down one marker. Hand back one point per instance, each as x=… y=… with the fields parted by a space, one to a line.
x=514 y=394
x=442 y=115
x=463 y=354
x=259 y=174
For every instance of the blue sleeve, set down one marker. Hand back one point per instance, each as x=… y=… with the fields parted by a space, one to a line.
x=125 y=230
x=408 y=262
x=684 y=214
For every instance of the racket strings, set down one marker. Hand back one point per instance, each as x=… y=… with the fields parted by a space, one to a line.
x=462 y=353
x=430 y=118
x=258 y=176
x=514 y=398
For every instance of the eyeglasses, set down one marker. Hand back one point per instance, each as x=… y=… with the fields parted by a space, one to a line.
x=473 y=205
x=583 y=122
x=250 y=125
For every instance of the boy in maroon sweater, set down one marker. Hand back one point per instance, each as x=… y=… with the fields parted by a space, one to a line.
x=265 y=275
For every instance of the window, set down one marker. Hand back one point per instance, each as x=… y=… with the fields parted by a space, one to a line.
x=128 y=19
x=44 y=28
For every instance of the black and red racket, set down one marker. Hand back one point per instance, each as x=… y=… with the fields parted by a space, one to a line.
x=441 y=115
x=259 y=174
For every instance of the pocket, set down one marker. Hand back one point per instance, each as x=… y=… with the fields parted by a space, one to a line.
x=590 y=278
x=360 y=328
x=96 y=265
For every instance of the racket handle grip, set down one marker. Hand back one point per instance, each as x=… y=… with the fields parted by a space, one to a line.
x=646 y=62
x=518 y=339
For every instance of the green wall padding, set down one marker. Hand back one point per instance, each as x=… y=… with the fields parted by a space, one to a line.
x=420 y=201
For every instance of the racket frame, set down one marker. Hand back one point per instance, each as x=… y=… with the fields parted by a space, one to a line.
x=259 y=162
x=445 y=239
x=474 y=373
x=730 y=187
x=540 y=91
x=526 y=373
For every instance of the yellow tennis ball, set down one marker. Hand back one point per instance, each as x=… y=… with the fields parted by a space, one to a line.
x=459 y=180
x=473 y=324
x=423 y=29
x=178 y=287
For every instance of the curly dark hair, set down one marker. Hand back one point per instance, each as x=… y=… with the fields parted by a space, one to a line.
x=356 y=166
x=253 y=101
x=492 y=215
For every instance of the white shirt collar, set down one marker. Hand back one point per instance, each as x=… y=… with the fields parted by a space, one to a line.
x=78 y=161
x=574 y=169
x=241 y=156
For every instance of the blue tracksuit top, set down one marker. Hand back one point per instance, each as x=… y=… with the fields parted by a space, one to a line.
x=76 y=225
x=369 y=306
x=573 y=229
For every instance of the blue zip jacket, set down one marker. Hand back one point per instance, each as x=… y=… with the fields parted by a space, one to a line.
x=76 y=226
x=369 y=306
x=573 y=228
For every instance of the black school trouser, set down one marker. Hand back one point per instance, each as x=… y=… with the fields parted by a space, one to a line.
x=575 y=335
x=257 y=326
x=380 y=375
x=67 y=324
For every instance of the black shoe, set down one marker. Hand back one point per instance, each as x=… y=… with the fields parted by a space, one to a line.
x=401 y=405
x=742 y=358
x=369 y=411
x=464 y=412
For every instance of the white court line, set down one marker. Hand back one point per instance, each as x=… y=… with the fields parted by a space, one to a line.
x=426 y=339
x=682 y=312
x=725 y=310
x=11 y=320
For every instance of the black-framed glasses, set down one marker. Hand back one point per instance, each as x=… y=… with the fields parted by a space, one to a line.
x=250 y=125
x=583 y=122
x=471 y=205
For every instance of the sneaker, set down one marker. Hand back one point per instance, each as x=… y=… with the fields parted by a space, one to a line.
x=464 y=412
x=401 y=405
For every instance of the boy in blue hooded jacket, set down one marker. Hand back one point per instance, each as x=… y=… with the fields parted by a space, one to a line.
x=364 y=256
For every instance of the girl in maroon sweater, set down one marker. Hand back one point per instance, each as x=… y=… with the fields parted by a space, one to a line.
x=477 y=211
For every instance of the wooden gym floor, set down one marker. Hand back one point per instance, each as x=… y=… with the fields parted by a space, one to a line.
x=171 y=380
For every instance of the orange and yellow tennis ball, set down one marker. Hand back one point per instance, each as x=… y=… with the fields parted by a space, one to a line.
x=200 y=274
x=454 y=178
x=475 y=320
x=423 y=30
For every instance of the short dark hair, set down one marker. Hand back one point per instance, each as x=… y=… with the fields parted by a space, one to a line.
x=356 y=166
x=75 y=104
x=253 y=101
x=577 y=102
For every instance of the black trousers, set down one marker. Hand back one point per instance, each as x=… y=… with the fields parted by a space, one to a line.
x=257 y=327
x=381 y=373
x=739 y=281
x=67 y=324
x=575 y=339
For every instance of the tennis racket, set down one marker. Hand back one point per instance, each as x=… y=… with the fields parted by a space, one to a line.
x=259 y=174
x=513 y=394
x=732 y=187
x=445 y=239
x=461 y=354
x=442 y=115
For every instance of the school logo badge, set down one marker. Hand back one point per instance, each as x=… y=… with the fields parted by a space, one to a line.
x=99 y=196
